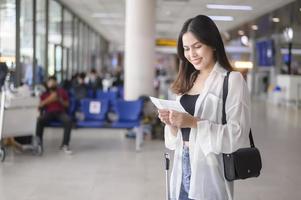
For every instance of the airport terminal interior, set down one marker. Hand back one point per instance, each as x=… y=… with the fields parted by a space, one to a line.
x=103 y=59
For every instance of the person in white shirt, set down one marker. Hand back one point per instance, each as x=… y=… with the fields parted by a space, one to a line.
x=198 y=136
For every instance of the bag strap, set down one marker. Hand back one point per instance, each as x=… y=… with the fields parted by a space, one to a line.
x=225 y=94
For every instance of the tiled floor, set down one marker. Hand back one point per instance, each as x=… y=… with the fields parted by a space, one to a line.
x=106 y=166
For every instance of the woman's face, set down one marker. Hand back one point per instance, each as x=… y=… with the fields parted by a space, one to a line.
x=51 y=83
x=198 y=54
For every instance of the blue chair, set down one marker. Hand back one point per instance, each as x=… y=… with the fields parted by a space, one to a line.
x=129 y=116
x=110 y=95
x=129 y=113
x=120 y=90
x=71 y=93
x=90 y=93
x=93 y=119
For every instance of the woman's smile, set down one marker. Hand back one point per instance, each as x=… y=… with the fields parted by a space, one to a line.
x=196 y=61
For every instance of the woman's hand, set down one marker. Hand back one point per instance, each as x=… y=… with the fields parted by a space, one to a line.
x=182 y=120
x=164 y=117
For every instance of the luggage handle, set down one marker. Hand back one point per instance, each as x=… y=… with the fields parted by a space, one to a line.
x=167 y=164
x=167 y=161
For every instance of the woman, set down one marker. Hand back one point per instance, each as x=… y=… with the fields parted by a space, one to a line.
x=198 y=136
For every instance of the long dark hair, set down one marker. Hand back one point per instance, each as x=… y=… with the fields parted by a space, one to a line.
x=206 y=31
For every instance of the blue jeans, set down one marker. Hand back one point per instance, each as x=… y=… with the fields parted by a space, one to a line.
x=186 y=173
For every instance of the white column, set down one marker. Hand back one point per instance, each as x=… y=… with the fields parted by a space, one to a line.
x=139 y=48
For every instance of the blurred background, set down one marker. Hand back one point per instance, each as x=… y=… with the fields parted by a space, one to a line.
x=109 y=56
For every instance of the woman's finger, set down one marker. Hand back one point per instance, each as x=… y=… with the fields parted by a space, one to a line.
x=163 y=117
x=163 y=112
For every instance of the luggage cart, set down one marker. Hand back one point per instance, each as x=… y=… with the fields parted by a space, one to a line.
x=18 y=119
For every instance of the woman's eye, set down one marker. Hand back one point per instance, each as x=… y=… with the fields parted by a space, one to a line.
x=198 y=46
x=186 y=49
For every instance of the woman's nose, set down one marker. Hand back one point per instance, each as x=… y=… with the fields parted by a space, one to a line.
x=192 y=53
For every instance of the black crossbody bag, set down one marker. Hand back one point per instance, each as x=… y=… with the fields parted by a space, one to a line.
x=245 y=162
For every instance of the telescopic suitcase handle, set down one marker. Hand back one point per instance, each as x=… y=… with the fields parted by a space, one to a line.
x=167 y=164
x=167 y=161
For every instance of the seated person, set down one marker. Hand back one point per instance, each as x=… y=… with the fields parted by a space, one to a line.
x=94 y=82
x=54 y=103
x=3 y=73
x=80 y=89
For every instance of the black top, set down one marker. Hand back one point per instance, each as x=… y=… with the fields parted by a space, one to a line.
x=188 y=103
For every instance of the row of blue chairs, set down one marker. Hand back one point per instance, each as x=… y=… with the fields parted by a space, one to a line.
x=111 y=96
x=116 y=93
x=95 y=113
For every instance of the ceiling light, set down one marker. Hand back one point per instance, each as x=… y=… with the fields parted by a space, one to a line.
x=294 y=51
x=229 y=7
x=222 y=18
x=300 y=9
x=244 y=40
x=243 y=64
x=168 y=12
x=7 y=6
x=106 y=15
x=226 y=35
x=176 y=1
x=112 y=22
x=288 y=34
x=238 y=49
x=275 y=19
x=241 y=32
x=254 y=27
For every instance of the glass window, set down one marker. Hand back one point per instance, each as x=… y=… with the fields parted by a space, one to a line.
x=75 y=47
x=8 y=32
x=85 y=48
x=67 y=30
x=40 y=40
x=100 y=51
x=80 y=47
x=95 y=54
x=92 y=49
x=54 y=40
x=88 y=52
x=26 y=41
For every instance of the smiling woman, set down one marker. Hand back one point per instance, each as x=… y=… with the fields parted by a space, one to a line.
x=198 y=136
x=198 y=54
x=199 y=45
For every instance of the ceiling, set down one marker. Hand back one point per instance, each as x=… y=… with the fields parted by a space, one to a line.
x=170 y=14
